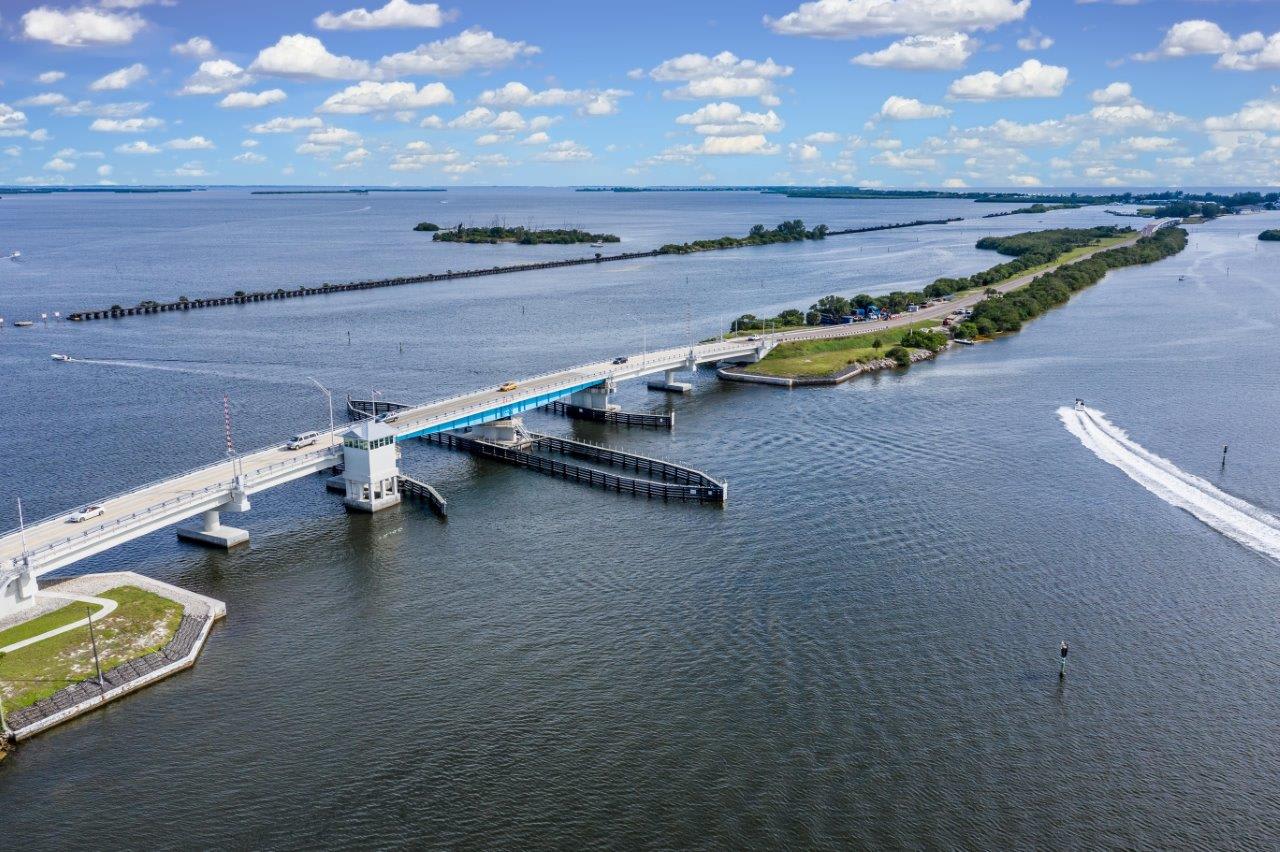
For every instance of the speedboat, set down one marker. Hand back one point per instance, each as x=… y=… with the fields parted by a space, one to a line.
x=55 y=356
x=1079 y=404
x=597 y=245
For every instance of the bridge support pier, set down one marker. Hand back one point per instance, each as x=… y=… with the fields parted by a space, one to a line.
x=505 y=433
x=596 y=397
x=211 y=532
x=669 y=384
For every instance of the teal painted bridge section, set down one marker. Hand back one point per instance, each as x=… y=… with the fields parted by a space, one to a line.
x=498 y=412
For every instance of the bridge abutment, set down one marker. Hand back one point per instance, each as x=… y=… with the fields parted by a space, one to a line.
x=17 y=591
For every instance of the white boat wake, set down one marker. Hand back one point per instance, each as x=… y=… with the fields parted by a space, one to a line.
x=1231 y=516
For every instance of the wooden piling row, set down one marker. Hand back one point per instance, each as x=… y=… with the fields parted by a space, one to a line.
x=242 y=298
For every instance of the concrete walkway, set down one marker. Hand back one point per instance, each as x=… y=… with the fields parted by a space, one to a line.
x=108 y=607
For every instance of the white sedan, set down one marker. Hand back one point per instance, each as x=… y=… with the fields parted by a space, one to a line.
x=87 y=513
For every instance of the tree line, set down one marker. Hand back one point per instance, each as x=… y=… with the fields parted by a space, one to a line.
x=1029 y=250
x=1005 y=312
x=521 y=235
x=786 y=232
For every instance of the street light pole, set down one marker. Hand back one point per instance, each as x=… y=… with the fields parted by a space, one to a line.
x=5 y=733
x=329 y=397
x=94 y=640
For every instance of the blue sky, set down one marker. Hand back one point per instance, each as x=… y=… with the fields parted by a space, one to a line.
x=873 y=92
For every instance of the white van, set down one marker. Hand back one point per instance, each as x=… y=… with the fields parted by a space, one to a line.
x=304 y=439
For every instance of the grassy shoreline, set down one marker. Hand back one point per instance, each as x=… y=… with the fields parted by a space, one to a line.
x=824 y=356
x=142 y=623
x=1000 y=313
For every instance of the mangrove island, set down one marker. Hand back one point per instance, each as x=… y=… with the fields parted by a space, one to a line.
x=519 y=235
x=1034 y=209
x=786 y=232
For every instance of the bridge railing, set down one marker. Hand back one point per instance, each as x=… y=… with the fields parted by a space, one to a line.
x=584 y=373
x=187 y=496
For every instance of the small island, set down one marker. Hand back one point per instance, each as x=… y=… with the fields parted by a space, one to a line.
x=1271 y=236
x=786 y=232
x=519 y=235
x=1033 y=210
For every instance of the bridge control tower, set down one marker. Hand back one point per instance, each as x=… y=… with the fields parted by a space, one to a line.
x=370 y=466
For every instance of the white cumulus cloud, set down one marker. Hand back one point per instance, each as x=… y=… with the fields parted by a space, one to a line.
x=49 y=77
x=1189 y=38
x=721 y=76
x=301 y=55
x=193 y=143
x=823 y=137
x=139 y=147
x=756 y=144
x=1261 y=115
x=1031 y=79
x=472 y=49
x=729 y=119
x=45 y=99
x=1114 y=93
x=859 y=18
x=122 y=78
x=369 y=96
x=1148 y=143
x=896 y=108
x=588 y=101
x=923 y=52
x=567 y=151
x=287 y=124
x=128 y=125
x=214 y=77
x=12 y=121
x=81 y=27
x=396 y=14
x=252 y=100
x=196 y=47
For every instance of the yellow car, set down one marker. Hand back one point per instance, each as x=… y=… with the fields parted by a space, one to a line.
x=507 y=386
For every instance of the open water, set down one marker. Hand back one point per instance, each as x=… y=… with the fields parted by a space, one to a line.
x=859 y=650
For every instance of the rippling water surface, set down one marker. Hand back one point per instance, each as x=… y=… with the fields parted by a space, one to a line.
x=859 y=650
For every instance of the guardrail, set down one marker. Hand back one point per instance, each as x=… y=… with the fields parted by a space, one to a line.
x=185 y=497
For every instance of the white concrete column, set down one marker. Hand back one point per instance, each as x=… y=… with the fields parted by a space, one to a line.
x=595 y=397
x=669 y=384
x=211 y=531
x=506 y=433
